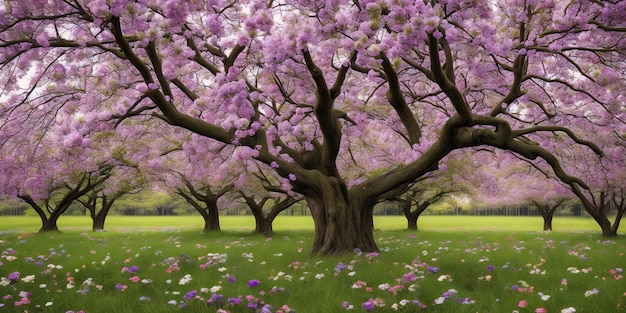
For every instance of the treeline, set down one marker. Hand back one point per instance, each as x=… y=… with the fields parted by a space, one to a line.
x=175 y=207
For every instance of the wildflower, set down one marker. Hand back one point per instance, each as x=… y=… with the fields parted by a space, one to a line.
x=522 y=304
x=544 y=297
x=568 y=310
x=340 y=266
x=253 y=282
x=185 y=280
x=29 y=279
x=347 y=305
x=433 y=269
x=591 y=292
x=13 y=277
x=120 y=287
x=134 y=279
x=490 y=267
x=189 y=295
x=368 y=306
x=440 y=300
x=371 y=255
x=410 y=276
x=540 y=310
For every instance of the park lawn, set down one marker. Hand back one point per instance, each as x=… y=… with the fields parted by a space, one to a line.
x=302 y=223
x=472 y=264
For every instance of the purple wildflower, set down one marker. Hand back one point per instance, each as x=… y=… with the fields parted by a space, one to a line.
x=189 y=295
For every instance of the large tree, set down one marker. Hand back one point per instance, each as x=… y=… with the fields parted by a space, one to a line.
x=346 y=100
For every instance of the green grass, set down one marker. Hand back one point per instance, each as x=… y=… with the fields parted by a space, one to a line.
x=301 y=223
x=461 y=248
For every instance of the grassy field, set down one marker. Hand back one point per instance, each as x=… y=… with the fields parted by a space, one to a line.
x=453 y=264
x=303 y=223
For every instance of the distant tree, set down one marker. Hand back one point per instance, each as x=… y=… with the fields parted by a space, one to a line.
x=547 y=211
x=265 y=208
x=108 y=195
x=61 y=195
x=205 y=201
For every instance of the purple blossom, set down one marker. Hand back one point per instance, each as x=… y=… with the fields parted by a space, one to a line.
x=340 y=266
x=232 y=300
x=368 y=306
x=490 y=267
x=408 y=277
x=433 y=269
x=189 y=295
x=253 y=282
x=14 y=276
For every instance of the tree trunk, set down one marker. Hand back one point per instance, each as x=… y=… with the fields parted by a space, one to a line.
x=264 y=226
x=51 y=223
x=411 y=219
x=98 y=223
x=603 y=221
x=547 y=222
x=211 y=218
x=342 y=224
x=411 y=222
x=36 y=207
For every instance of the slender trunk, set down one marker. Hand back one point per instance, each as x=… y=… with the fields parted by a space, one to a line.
x=605 y=224
x=36 y=207
x=411 y=219
x=621 y=209
x=411 y=222
x=615 y=226
x=99 y=219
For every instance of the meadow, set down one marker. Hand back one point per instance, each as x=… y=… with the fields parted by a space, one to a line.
x=452 y=264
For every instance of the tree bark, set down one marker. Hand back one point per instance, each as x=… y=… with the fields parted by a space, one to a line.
x=99 y=219
x=264 y=226
x=51 y=222
x=412 y=217
x=212 y=218
x=411 y=222
x=342 y=224
x=547 y=222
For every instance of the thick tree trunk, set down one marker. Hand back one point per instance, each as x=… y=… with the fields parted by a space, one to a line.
x=342 y=225
x=98 y=223
x=211 y=219
x=264 y=226
x=547 y=222
x=51 y=223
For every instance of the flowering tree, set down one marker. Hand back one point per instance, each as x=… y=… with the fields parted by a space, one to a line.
x=100 y=200
x=345 y=100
